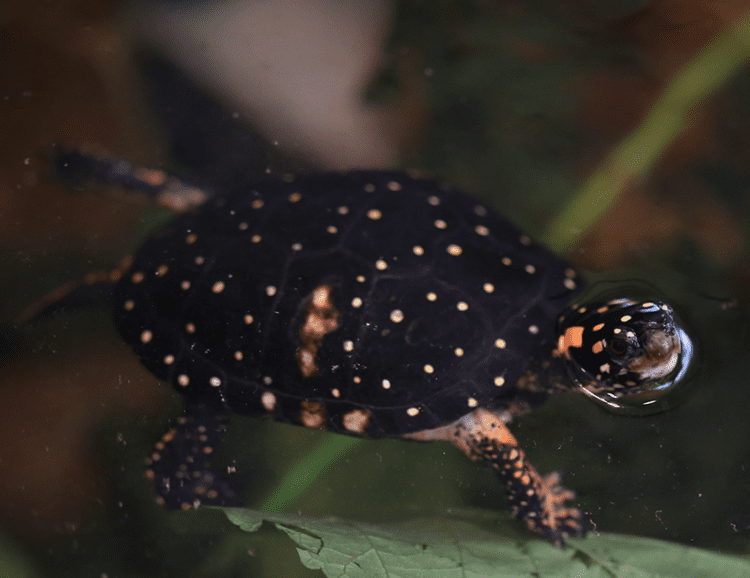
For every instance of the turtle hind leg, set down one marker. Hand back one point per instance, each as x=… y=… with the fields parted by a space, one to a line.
x=93 y=289
x=76 y=169
x=179 y=468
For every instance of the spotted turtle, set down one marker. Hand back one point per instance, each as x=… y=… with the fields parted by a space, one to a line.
x=374 y=303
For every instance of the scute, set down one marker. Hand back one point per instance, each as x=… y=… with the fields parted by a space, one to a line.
x=424 y=284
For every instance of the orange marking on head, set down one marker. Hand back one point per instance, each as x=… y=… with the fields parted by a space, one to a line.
x=573 y=337
x=598 y=347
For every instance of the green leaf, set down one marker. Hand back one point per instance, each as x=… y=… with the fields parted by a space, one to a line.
x=454 y=548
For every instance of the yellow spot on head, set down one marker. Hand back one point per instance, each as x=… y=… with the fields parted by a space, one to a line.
x=471 y=402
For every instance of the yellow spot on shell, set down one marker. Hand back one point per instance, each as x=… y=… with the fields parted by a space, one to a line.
x=268 y=400
x=417 y=250
x=428 y=369
x=183 y=380
x=397 y=316
x=499 y=381
x=500 y=343
x=295 y=197
x=215 y=382
x=146 y=336
x=488 y=288
x=413 y=411
x=374 y=214
x=218 y=287
x=454 y=250
x=381 y=265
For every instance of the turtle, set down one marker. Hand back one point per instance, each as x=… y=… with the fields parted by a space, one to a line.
x=370 y=303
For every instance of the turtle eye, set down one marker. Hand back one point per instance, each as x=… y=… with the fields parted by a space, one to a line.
x=618 y=346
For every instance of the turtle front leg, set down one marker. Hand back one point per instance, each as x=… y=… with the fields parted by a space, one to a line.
x=179 y=467
x=538 y=500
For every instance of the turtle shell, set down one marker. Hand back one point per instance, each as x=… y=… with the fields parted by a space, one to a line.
x=368 y=301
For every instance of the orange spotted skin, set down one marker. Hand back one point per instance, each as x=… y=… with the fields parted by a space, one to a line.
x=370 y=303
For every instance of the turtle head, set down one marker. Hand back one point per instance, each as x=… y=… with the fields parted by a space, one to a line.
x=624 y=353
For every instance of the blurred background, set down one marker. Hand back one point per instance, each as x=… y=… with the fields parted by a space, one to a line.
x=517 y=102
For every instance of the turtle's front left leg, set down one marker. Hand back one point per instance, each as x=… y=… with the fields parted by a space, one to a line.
x=538 y=500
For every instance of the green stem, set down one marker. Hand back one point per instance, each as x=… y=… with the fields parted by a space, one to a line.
x=636 y=155
x=306 y=470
